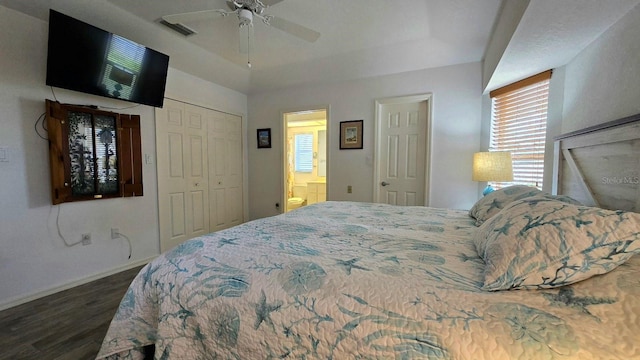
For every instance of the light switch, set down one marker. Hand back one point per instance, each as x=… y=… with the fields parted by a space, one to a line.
x=4 y=154
x=148 y=159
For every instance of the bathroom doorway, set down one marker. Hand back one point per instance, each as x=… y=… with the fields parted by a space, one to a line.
x=305 y=160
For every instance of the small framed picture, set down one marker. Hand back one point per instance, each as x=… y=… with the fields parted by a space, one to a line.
x=264 y=138
x=351 y=134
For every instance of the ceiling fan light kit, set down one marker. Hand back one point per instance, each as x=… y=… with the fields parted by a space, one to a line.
x=245 y=16
x=245 y=10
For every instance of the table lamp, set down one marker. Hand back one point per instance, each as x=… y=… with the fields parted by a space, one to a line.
x=492 y=166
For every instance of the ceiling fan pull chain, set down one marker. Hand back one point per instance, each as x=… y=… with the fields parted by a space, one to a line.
x=249 y=47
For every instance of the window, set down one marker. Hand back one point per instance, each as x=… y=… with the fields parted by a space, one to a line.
x=93 y=154
x=519 y=125
x=304 y=153
x=122 y=67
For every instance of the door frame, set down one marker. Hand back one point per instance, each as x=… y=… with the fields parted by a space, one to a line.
x=379 y=106
x=283 y=147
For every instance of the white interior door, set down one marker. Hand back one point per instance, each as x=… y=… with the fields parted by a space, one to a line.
x=234 y=170
x=182 y=170
x=225 y=170
x=197 y=187
x=402 y=151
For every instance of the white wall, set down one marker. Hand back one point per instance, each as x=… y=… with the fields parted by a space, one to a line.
x=188 y=88
x=33 y=259
x=455 y=127
x=603 y=82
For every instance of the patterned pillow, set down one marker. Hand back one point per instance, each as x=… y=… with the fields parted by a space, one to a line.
x=491 y=204
x=539 y=242
x=562 y=198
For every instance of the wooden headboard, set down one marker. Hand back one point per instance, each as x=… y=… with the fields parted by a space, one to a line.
x=600 y=165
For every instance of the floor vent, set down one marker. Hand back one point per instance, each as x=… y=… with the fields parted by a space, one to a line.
x=179 y=28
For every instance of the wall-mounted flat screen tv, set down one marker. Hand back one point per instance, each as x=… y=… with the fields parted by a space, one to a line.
x=84 y=58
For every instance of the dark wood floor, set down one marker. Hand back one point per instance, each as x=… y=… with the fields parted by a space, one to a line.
x=69 y=325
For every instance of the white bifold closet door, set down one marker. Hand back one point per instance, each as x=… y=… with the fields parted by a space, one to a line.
x=225 y=170
x=199 y=161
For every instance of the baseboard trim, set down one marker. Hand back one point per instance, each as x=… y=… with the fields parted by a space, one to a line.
x=25 y=299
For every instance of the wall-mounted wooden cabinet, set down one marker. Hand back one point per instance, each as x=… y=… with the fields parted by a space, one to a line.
x=93 y=154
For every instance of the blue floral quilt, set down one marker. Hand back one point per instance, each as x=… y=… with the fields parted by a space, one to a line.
x=346 y=280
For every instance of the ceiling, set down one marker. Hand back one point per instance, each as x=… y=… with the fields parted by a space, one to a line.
x=359 y=38
x=551 y=33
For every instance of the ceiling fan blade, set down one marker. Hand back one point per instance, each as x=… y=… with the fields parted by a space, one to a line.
x=231 y=5
x=294 y=29
x=246 y=39
x=194 y=16
x=271 y=2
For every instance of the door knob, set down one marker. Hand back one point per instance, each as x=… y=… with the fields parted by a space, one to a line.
x=384 y=183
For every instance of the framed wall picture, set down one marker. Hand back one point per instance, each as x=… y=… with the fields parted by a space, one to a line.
x=264 y=138
x=351 y=134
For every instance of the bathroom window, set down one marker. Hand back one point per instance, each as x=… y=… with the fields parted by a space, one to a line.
x=304 y=153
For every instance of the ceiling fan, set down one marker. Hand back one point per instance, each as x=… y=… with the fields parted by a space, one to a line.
x=246 y=11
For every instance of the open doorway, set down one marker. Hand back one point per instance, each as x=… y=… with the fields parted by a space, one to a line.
x=305 y=158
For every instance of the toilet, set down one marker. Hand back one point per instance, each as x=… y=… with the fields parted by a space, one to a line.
x=294 y=203
x=299 y=197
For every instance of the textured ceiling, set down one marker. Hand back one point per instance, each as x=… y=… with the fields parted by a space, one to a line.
x=359 y=38
x=551 y=33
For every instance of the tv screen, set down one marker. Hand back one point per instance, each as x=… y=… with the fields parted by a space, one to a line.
x=84 y=58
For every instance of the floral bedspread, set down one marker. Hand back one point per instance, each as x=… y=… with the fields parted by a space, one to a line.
x=345 y=280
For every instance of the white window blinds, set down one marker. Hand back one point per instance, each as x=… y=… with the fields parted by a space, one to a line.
x=519 y=125
x=304 y=153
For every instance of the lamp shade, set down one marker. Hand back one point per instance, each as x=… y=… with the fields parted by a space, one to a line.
x=492 y=166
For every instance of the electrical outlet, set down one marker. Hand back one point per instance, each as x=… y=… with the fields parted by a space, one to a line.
x=86 y=239
x=115 y=233
x=349 y=189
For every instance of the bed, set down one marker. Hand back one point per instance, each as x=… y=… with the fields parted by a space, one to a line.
x=346 y=280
